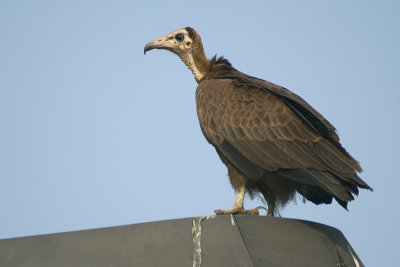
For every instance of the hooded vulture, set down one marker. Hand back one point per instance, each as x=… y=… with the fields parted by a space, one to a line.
x=271 y=140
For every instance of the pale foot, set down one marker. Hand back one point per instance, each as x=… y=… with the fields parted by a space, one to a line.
x=239 y=210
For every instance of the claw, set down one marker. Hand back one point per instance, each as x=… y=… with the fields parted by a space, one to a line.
x=239 y=210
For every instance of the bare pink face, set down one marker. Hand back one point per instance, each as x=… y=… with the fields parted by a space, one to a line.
x=178 y=42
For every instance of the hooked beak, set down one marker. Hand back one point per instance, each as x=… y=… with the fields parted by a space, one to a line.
x=165 y=42
x=149 y=46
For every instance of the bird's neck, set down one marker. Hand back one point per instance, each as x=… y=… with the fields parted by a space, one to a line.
x=197 y=62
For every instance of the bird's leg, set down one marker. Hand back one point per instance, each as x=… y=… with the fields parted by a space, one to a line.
x=271 y=209
x=238 y=207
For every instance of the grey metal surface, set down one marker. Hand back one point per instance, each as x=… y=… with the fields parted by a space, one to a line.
x=241 y=240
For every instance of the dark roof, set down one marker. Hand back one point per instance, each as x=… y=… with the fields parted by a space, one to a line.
x=242 y=240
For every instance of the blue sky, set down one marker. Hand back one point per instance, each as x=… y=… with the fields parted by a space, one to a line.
x=93 y=133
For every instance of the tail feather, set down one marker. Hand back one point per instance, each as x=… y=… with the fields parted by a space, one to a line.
x=324 y=180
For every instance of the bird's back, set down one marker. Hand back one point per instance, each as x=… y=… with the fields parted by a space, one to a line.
x=261 y=127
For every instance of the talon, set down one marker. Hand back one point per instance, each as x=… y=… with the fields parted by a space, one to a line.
x=252 y=211
x=238 y=210
x=238 y=207
x=219 y=212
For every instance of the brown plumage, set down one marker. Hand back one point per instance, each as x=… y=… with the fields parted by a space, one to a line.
x=270 y=139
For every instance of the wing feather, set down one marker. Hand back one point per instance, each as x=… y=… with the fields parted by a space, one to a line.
x=256 y=127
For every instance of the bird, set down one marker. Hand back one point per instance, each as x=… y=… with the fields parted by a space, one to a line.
x=273 y=143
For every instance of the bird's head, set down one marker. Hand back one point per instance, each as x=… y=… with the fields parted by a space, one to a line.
x=178 y=42
x=186 y=43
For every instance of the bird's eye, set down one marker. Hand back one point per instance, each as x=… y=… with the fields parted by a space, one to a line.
x=179 y=37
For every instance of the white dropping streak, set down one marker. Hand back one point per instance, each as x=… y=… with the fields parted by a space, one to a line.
x=196 y=236
x=354 y=258
x=233 y=220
